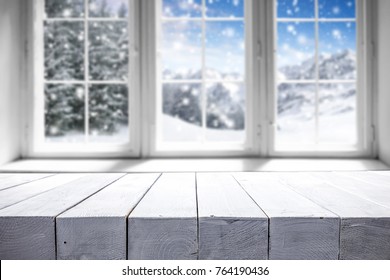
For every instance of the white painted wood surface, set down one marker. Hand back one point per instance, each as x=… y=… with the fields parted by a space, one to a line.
x=163 y=226
x=231 y=225
x=379 y=194
x=299 y=228
x=22 y=192
x=368 y=178
x=15 y=180
x=96 y=229
x=28 y=228
x=365 y=226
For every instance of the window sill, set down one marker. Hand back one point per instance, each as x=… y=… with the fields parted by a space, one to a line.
x=193 y=165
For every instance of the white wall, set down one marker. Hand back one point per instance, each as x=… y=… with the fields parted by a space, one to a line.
x=10 y=78
x=384 y=80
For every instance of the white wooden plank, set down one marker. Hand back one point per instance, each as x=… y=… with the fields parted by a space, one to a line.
x=28 y=228
x=365 y=226
x=97 y=228
x=164 y=224
x=14 y=180
x=375 y=193
x=368 y=177
x=381 y=173
x=231 y=225
x=12 y=196
x=299 y=228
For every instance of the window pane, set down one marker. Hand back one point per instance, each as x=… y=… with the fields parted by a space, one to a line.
x=108 y=51
x=337 y=50
x=225 y=112
x=296 y=114
x=181 y=50
x=182 y=8
x=337 y=8
x=108 y=8
x=338 y=120
x=64 y=51
x=225 y=50
x=64 y=113
x=182 y=113
x=295 y=8
x=64 y=9
x=296 y=51
x=108 y=113
x=225 y=8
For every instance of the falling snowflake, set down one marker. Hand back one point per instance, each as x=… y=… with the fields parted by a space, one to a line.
x=336 y=10
x=336 y=34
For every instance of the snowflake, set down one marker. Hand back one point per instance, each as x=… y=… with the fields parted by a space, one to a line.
x=302 y=40
x=67 y=13
x=336 y=10
x=228 y=32
x=336 y=34
x=291 y=29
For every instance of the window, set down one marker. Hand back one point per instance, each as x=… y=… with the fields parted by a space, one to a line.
x=126 y=78
x=317 y=70
x=84 y=68
x=201 y=92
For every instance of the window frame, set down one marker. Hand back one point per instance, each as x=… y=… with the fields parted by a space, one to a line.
x=143 y=85
x=152 y=88
x=36 y=145
x=365 y=125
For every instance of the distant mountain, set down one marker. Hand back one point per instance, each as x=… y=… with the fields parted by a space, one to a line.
x=211 y=74
x=338 y=66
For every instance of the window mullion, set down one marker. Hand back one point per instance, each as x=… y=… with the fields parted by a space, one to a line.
x=86 y=71
x=204 y=94
x=317 y=74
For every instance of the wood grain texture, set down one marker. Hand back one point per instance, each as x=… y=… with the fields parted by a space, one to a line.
x=368 y=177
x=163 y=226
x=12 y=196
x=14 y=180
x=379 y=194
x=362 y=222
x=231 y=225
x=299 y=228
x=31 y=223
x=97 y=228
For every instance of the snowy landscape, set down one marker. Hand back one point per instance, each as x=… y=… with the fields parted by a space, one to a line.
x=197 y=108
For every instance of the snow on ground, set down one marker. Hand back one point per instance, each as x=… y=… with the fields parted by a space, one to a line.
x=176 y=130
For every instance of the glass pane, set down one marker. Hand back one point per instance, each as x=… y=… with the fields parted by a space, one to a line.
x=182 y=8
x=182 y=113
x=296 y=51
x=225 y=8
x=338 y=120
x=337 y=8
x=64 y=113
x=225 y=112
x=108 y=51
x=337 y=50
x=64 y=50
x=108 y=8
x=181 y=50
x=108 y=114
x=225 y=50
x=295 y=8
x=296 y=114
x=64 y=9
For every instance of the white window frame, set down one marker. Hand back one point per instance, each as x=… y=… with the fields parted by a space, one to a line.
x=152 y=92
x=143 y=89
x=36 y=145
x=366 y=139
